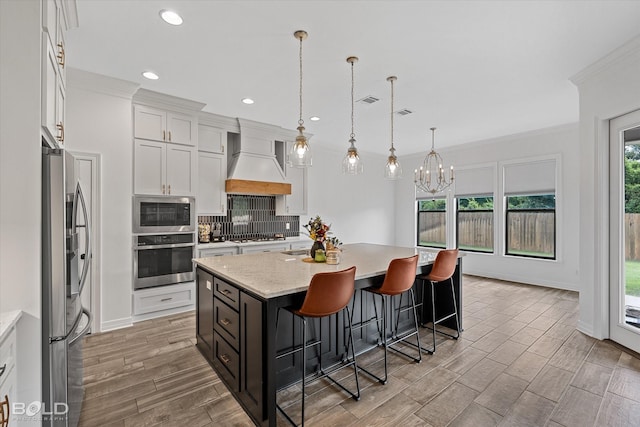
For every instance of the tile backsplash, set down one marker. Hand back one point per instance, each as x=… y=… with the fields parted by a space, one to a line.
x=251 y=216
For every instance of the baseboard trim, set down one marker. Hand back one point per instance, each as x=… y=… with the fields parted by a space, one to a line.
x=523 y=279
x=111 y=325
x=585 y=328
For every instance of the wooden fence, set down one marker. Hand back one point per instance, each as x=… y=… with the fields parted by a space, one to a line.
x=529 y=232
x=632 y=236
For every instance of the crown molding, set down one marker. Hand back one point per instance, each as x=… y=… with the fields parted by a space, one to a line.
x=169 y=102
x=99 y=83
x=628 y=52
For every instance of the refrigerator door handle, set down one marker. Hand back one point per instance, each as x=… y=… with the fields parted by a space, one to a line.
x=76 y=322
x=87 y=234
x=85 y=329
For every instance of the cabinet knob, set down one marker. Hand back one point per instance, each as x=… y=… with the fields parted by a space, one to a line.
x=225 y=359
x=60 y=128
x=60 y=55
x=222 y=148
x=225 y=322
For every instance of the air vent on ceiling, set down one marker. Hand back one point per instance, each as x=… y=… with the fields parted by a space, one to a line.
x=369 y=99
x=403 y=112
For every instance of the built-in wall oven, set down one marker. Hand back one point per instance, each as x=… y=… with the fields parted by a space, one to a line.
x=163 y=259
x=163 y=214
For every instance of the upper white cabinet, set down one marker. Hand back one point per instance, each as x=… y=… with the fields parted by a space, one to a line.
x=164 y=169
x=212 y=172
x=211 y=139
x=54 y=25
x=296 y=202
x=160 y=125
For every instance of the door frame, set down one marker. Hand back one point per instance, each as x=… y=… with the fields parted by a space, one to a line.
x=96 y=296
x=619 y=331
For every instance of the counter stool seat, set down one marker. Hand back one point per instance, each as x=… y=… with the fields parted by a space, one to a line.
x=328 y=294
x=442 y=271
x=399 y=279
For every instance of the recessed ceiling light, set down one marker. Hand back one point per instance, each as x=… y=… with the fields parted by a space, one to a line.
x=150 y=75
x=171 y=17
x=247 y=101
x=314 y=118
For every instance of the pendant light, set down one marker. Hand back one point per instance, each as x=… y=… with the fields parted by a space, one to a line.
x=300 y=154
x=431 y=178
x=352 y=165
x=392 y=169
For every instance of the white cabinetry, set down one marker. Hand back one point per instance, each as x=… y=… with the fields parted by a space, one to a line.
x=270 y=247
x=209 y=252
x=54 y=25
x=211 y=139
x=8 y=380
x=163 y=300
x=212 y=172
x=296 y=202
x=164 y=168
x=160 y=125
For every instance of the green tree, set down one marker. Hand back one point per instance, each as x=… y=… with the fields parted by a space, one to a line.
x=632 y=179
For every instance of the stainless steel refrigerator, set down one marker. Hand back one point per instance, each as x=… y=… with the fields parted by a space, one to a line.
x=64 y=320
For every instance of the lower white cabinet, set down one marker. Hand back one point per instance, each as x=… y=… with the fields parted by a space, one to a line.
x=8 y=380
x=159 y=300
x=271 y=247
x=302 y=244
x=209 y=252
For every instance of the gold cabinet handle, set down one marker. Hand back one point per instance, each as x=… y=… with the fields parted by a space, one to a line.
x=164 y=135
x=165 y=299
x=169 y=135
x=60 y=55
x=226 y=291
x=169 y=189
x=162 y=188
x=222 y=148
x=60 y=128
x=225 y=322
x=225 y=359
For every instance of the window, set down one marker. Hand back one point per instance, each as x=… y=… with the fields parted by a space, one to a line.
x=432 y=225
x=531 y=226
x=475 y=224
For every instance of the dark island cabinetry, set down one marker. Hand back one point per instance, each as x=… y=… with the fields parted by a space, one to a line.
x=229 y=335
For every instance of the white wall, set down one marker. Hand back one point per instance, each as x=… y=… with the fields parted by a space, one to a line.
x=563 y=141
x=20 y=184
x=608 y=88
x=359 y=207
x=99 y=120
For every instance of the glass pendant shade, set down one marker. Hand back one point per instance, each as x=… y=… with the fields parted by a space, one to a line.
x=392 y=169
x=352 y=164
x=300 y=153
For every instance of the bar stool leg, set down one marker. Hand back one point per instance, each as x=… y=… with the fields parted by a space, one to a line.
x=433 y=314
x=304 y=363
x=353 y=352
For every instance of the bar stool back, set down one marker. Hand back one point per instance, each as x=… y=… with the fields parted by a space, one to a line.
x=401 y=274
x=443 y=268
x=328 y=294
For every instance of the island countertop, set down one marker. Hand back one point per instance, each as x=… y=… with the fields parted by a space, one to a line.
x=273 y=274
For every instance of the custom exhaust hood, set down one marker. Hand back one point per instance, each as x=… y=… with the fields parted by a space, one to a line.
x=256 y=165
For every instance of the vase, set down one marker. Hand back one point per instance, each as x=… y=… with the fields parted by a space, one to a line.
x=316 y=245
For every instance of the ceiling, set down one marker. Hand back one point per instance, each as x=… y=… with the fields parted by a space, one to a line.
x=473 y=69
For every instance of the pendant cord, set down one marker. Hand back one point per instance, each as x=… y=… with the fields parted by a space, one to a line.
x=433 y=139
x=300 y=121
x=352 y=105
x=392 y=115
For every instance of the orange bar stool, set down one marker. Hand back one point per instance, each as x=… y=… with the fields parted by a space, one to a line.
x=328 y=294
x=443 y=268
x=401 y=274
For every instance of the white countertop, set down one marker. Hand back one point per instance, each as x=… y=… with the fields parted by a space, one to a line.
x=273 y=274
x=7 y=320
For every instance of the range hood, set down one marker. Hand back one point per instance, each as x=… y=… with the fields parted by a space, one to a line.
x=253 y=166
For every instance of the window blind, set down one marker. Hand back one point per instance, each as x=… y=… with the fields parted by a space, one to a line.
x=474 y=181
x=536 y=177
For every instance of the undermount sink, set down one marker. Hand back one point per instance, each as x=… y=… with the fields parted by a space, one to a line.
x=296 y=252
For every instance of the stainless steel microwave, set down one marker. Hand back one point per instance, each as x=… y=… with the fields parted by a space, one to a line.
x=164 y=214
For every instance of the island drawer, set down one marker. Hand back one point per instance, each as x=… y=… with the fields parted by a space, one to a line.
x=227 y=293
x=226 y=322
x=226 y=361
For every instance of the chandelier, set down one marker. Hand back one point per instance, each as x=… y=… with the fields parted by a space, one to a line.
x=431 y=178
x=352 y=165
x=300 y=153
x=392 y=169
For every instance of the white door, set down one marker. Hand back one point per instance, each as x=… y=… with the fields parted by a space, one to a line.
x=212 y=171
x=624 y=288
x=181 y=167
x=86 y=170
x=149 y=169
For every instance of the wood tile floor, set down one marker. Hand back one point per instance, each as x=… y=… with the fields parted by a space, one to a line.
x=519 y=362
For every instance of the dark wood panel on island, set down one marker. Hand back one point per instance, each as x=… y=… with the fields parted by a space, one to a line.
x=249 y=366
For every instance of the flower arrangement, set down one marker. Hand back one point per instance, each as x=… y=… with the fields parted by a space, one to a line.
x=317 y=229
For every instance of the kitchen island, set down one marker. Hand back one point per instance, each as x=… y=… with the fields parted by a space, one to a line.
x=237 y=303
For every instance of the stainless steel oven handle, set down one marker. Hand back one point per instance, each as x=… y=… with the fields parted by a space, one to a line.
x=173 y=245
